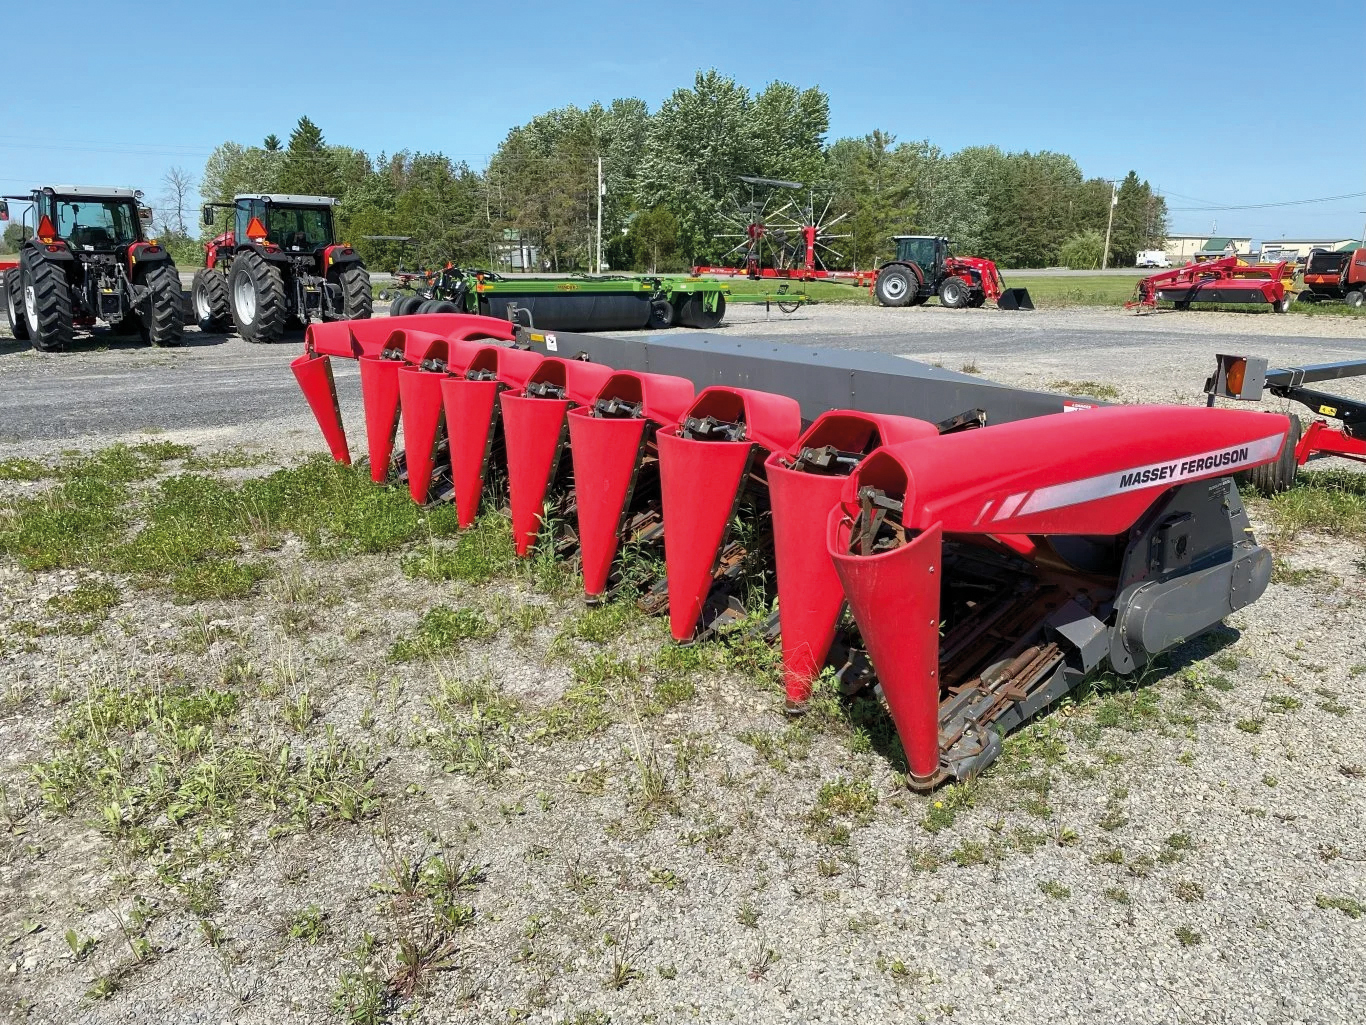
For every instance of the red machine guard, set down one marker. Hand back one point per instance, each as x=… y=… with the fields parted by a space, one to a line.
x=606 y=453
x=809 y=593
x=700 y=482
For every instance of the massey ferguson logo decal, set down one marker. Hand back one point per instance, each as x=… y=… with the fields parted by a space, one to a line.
x=1176 y=471
x=1204 y=464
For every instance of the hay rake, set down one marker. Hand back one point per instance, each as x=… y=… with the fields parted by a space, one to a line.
x=972 y=551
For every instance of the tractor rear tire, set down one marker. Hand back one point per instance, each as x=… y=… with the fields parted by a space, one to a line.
x=14 y=305
x=47 y=304
x=895 y=286
x=1271 y=479
x=358 y=302
x=164 y=322
x=1355 y=298
x=257 y=298
x=954 y=293
x=209 y=298
x=693 y=314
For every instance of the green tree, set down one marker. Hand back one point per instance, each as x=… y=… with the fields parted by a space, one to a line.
x=14 y=236
x=310 y=166
x=1140 y=221
x=1083 y=250
x=654 y=239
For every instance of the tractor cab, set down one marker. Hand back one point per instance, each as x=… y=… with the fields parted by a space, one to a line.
x=295 y=224
x=88 y=219
x=928 y=252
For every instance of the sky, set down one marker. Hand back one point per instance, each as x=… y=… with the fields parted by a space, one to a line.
x=1219 y=106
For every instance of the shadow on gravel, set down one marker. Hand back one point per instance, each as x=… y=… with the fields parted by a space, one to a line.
x=104 y=340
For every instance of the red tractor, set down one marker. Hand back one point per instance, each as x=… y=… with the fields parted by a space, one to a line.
x=90 y=260
x=924 y=267
x=280 y=264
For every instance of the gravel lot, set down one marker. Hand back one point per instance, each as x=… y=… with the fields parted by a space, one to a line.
x=495 y=834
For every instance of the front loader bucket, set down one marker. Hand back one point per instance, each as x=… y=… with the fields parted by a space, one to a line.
x=802 y=489
x=703 y=464
x=1015 y=299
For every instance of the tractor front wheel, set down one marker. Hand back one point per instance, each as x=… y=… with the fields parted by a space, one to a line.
x=209 y=297
x=14 y=305
x=895 y=286
x=257 y=293
x=954 y=293
x=358 y=303
x=164 y=321
x=47 y=304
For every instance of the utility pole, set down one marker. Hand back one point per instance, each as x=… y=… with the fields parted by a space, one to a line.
x=601 y=190
x=1109 y=223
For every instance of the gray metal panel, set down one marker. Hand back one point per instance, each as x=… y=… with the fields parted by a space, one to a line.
x=819 y=379
x=1316 y=372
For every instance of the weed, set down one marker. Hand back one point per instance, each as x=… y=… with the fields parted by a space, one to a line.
x=481 y=553
x=1349 y=906
x=762 y=958
x=969 y=852
x=80 y=946
x=971 y=367
x=1283 y=703
x=22 y=469
x=664 y=878
x=442 y=631
x=1117 y=894
x=667 y=971
x=309 y=925
x=1253 y=726
x=103 y=987
x=419 y=956
x=1187 y=936
x=1054 y=890
x=360 y=999
x=1179 y=842
x=943 y=811
x=1325 y=502
x=748 y=915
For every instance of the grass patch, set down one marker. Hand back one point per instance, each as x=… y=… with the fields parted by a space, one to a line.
x=481 y=553
x=1092 y=389
x=1323 y=502
x=1349 y=906
x=22 y=469
x=443 y=631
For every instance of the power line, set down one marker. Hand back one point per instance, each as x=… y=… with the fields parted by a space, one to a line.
x=1266 y=206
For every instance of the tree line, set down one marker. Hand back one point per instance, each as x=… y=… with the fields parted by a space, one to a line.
x=672 y=189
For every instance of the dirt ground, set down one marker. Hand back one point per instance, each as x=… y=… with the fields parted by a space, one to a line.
x=302 y=775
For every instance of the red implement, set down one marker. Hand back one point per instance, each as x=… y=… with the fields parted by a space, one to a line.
x=703 y=464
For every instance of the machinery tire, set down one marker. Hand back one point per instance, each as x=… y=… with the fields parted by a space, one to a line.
x=402 y=305
x=1355 y=298
x=895 y=287
x=1281 y=305
x=256 y=293
x=443 y=306
x=954 y=293
x=1271 y=479
x=425 y=306
x=693 y=314
x=47 y=304
x=661 y=313
x=14 y=305
x=978 y=301
x=1307 y=297
x=358 y=302
x=209 y=300
x=164 y=321
x=1181 y=304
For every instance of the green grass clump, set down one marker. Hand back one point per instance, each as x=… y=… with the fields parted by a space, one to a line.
x=442 y=631
x=481 y=553
x=1324 y=502
x=22 y=469
x=1092 y=389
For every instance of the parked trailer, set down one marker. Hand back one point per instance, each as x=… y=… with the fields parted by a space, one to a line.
x=993 y=548
x=1217 y=281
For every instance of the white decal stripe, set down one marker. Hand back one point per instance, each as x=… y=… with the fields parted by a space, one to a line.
x=1009 y=505
x=1107 y=484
